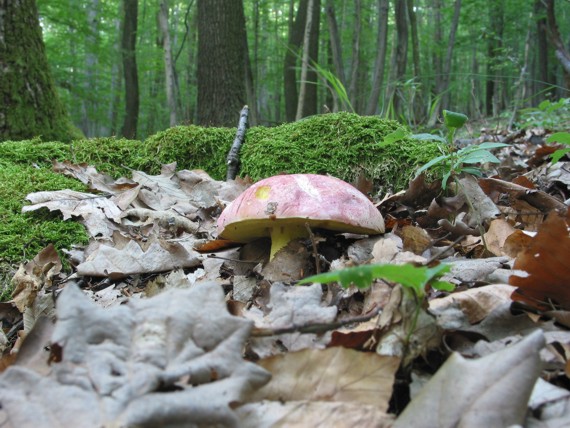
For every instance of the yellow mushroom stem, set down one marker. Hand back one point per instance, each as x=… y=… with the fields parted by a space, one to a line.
x=281 y=235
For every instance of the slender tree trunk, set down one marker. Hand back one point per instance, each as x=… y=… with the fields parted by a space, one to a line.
x=305 y=62
x=494 y=43
x=399 y=55
x=379 y=63
x=29 y=104
x=128 y=45
x=562 y=54
x=296 y=34
x=446 y=71
x=221 y=62
x=169 y=74
x=542 y=48
x=355 y=63
x=336 y=47
x=90 y=86
x=415 y=38
x=116 y=83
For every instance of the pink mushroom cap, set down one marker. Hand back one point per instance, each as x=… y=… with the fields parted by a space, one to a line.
x=292 y=201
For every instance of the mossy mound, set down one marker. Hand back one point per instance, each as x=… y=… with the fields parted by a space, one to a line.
x=22 y=236
x=344 y=145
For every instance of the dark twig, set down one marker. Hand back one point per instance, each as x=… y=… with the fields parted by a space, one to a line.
x=233 y=155
x=315 y=252
x=313 y=328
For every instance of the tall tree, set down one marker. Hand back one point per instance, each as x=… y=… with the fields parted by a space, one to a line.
x=169 y=69
x=296 y=34
x=29 y=104
x=494 y=45
x=379 y=63
x=305 y=62
x=128 y=45
x=399 y=56
x=221 y=62
x=562 y=53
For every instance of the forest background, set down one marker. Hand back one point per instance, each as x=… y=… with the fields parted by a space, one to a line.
x=404 y=59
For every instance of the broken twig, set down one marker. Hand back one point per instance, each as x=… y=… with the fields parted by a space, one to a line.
x=233 y=155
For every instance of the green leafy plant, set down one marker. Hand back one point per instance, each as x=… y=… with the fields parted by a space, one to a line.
x=562 y=138
x=548 y=114
x=414 y=279
x=454 y=162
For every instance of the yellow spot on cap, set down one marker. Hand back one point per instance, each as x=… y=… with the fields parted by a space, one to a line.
x=262 y=192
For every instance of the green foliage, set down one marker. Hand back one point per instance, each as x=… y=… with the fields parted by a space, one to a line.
x=548 y=114
x=334 y=85
x=454 y=162
x=562 y=138
x=412 y=278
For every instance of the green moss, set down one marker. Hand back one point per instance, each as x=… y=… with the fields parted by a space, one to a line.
x=22 y=236
x=192 y=147
x=344 y=145
x=113 y=156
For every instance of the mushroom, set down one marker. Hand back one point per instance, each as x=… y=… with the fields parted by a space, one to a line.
x=279 y=207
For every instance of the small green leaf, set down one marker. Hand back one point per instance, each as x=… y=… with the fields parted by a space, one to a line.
x=480 y=156
x=442 y=285
x=429 y=137
x=431 y=163
x=557 y=155
x=392 y=137
x=453 y=119
x=444 y=179
x=362 y=276
x=489 y=145
x=473 y=171
x=559 y=137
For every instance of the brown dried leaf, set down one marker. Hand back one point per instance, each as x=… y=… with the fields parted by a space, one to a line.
x=32 y=277
x=333 y=374
x=487 y=392
x=315 y=414
x=546 y=262
x=152 y=362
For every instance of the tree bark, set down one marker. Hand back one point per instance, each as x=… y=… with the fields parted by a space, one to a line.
x=355 y=63
x=221 y=61
x=444 y=89
x=399 y=55
x=169 y=71
x=305 y=62
x=562 y=54
x=29 y=105
x=542 y=50
x=88 y=125
x=296 y=34
x=494 y=43
x=336 y=47
x=128 y=46
x=379 y=63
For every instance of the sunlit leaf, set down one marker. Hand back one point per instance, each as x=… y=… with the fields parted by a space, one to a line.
x=453 y=119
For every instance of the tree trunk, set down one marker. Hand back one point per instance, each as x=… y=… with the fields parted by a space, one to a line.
x=221 y=62
x=415 y=38
x=335 y=44
x=542 y=49
x=444 y=89
x=305 y=62
x=399 y=55
x=128 y=45
x=29 y=105
x=494 y=43
x=296 y=34
x=379 y=63
x=88 y=125
x=169 y=73
x=355 y=63
x=562 y=54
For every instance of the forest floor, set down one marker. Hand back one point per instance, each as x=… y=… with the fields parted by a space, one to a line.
x=160 y=325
